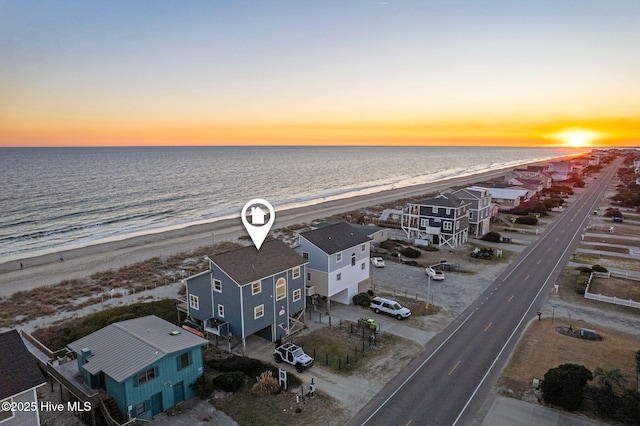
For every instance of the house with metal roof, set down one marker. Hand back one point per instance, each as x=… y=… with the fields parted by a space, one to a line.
x=19 y=379
x=508 y=198
x=249 y=291
x=442 y=220
x=146 y=364
x=479 y=200
x=338 y=258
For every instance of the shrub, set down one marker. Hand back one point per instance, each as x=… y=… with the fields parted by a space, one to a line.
x=613 y=213
x=249 y=366
x=563 y=385
x=202 y=387
x=526 y=220
x=230 y=382
x=599 y=268
x=409 y=252
x=362 y=299
x=388 y=245
x=492 y=236
x=266 y=384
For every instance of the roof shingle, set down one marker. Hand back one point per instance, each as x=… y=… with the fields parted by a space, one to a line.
x=18 y=369
x=334 y=238
x=248 y=264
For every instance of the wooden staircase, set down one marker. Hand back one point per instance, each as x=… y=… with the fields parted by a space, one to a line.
x=112 y=411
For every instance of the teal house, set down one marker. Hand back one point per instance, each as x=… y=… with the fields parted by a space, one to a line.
x=145 y=364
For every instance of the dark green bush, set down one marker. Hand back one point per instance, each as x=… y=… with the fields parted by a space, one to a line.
x=388 y=245
x=563 y=385
x=230 y=382
x=599 y=268
x=409 y=252
x=362 y=299
x=492 y=236
x=203 y=387
x=613 y=213
x=526 y=220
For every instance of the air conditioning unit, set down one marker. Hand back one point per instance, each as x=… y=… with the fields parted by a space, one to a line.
x=309 y=290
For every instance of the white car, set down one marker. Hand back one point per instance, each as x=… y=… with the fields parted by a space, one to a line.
x=435 y=274
x=378 y=262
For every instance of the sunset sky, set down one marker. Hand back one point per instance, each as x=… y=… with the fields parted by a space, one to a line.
x=223 y=72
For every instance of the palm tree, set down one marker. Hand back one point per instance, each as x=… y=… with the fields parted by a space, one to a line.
x=610 y=378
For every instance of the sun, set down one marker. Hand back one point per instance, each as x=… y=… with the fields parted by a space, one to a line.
x=576 y=138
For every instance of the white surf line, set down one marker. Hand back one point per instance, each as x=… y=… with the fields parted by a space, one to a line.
x=416 y=370
x=575 y=235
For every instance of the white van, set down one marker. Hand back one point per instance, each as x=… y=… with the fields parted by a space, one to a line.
x=388 y=306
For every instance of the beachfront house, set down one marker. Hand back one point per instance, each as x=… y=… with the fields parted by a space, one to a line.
x=508 y=198
x=442 y=220
x=479 y=201
x=19 y=379
x=248 y=291
x=338 y=257
x=147 y=365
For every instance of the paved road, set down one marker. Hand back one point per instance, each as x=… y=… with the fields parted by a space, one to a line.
x=449 y=382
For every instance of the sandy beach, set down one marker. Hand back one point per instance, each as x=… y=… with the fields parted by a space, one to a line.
x=82 y=262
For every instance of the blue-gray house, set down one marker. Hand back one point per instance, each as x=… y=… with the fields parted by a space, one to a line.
x=146 y=364
x=248 y=291
x=442 y=220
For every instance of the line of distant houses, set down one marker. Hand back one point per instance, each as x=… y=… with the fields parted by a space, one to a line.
x=146 y=365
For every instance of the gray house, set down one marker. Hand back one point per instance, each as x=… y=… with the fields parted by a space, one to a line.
x=442 y=220
x=19 y=378
x=338 y=258
x=249 y=291
x=479 y=200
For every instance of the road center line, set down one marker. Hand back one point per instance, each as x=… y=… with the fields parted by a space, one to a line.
x=383 y=403
x=454 y=367
x=488 y=326
x=511 y=298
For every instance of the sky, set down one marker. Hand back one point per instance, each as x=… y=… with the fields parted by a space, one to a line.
x=352 y=72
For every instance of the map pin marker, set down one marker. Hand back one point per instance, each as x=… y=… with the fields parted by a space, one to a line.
x=258 y=229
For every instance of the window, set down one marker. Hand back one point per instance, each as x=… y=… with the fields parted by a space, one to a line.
x=6 y=414
x=141 y=409
x=217 y=286
x=258 y=312
x=297 y=295
x=194 y=302
x=296 y=272
x=448 y=211
x=362 y=266
x=339 y=277
x=146 y=376
x=434 y=209
x=363 y=248
x=305 y=255
x=281 y=288
x=256 y=287
x=338 y=257
x=184 y=360
x=457 y=225
x=221 y=311
x=424 y=223
x=308 y=276
x=446 y=226
x=470 y=215
x=353 y=259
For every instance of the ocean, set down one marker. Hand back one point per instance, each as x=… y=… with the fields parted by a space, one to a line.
x=58 y=198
